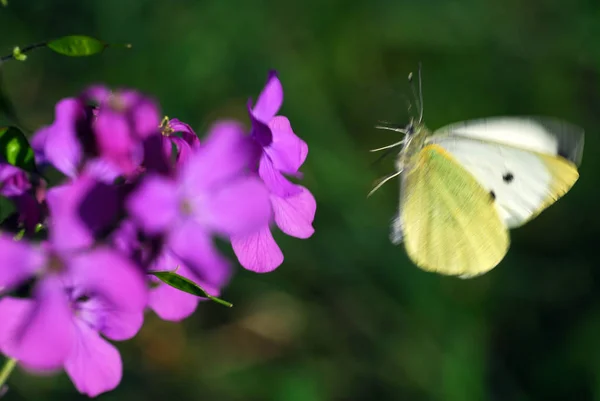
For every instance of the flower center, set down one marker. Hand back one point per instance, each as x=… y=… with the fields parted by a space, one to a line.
x=55 y=265
x=86 y=309
x=116 y=103
x=186 y=208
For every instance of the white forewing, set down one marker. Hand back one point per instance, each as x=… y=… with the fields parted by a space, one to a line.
x=538 y=134
x=502 y=153
x=516 y=179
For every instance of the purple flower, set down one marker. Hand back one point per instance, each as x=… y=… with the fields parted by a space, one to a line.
x=76 y=297
x=78 y=293
x=80 y=210
x=167 y=302
x=13 y=180
x=282 y=152
x=123 y=120
x=105 y=138
x=211 y=194
x=38 y=144
x=185 y=144
x=31 y=211
x=15 y=185
x=66 y=144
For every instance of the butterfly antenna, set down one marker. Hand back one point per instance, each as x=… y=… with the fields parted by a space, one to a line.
x=414 y=91
x=393 y=145
x=391 y=127
x=381 y=181
x=383 y=156
x=417 y=95
x=408 y=103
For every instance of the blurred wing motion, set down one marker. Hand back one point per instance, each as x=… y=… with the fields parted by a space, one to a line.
x=527 y=163
x=449 y=222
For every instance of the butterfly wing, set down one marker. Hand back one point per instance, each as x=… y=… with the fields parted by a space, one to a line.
x=543 y=135
x=449 y=222
x=527 y=164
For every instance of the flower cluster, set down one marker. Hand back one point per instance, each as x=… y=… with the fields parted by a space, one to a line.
x=140 y=195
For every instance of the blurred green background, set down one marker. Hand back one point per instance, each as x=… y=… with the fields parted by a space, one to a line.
x=347 y=316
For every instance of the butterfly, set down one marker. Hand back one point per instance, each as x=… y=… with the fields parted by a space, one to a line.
x=463 y=186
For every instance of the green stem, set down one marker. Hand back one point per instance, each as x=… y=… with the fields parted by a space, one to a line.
x=7 y=369
x=23 y=51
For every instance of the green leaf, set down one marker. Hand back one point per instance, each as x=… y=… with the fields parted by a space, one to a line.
x=183 y=284
x=76 y=45
x=15 y=149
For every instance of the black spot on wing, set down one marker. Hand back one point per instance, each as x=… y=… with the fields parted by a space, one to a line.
x=492 y=196
x=508 y=177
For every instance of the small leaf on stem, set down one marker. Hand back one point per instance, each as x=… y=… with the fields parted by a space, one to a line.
x=76 y=45
x=187 y=285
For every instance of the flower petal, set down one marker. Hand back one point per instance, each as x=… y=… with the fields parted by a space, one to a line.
x=270 y=99
x=113 y=322
x=111 y=277
x=238 y=208
x=115 y=142
x=145 y=116
x=13 y=311
x=194 y=247
x=96 y=93
x=125 y=238
x=94 y=365
x=121 y=325
x=274 y=180
x=38 y=144
x=157 y=154
x=67 y=230
x=184 y=150
x=81 y=209
x=13 y=180
x=225 y=154
x=260 y=132
x=18 y=262
x=42 y=335
x=102 y=170
x=154 y=204
x=172 y=304
x=287 y=151
x=187 y=133
x=294 y=215
x=258 y=251
x=62 y=147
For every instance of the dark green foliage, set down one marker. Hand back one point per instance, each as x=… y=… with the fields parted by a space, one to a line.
x=347 y=316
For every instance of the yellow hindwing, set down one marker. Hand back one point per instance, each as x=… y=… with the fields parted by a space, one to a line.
x=449 y=221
